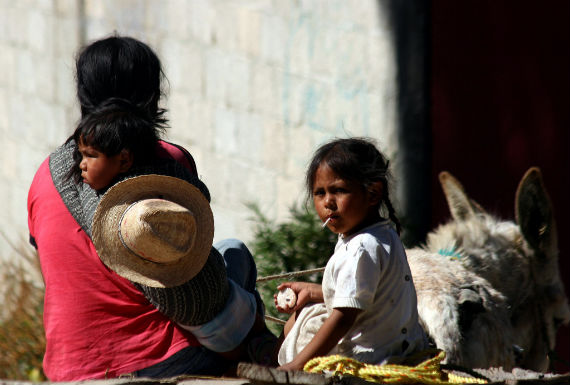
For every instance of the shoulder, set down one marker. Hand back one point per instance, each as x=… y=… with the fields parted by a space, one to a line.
x=42 y=178
x=357 y=249
x=42 y=183
x=378 y=239
x=41 y=173
x=178 y=153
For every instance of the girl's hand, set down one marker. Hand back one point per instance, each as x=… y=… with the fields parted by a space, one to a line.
x=306 y=292
x=333 y=329
x=291 y=366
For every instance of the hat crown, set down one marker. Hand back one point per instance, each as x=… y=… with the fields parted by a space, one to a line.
x=158 y=230
x=142 y=238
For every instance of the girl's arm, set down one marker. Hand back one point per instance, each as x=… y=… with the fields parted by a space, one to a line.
x=334 y=328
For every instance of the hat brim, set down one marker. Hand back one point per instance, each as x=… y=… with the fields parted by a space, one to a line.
x=114 y=255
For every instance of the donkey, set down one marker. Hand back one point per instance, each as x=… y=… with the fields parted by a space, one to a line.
x=489 y=291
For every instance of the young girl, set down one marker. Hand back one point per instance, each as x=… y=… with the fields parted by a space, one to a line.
x=370 y=311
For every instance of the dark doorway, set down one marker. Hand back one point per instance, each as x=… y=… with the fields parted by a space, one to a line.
x=500 y=103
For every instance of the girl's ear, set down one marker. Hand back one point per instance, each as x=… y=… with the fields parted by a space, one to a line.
x=375 y=192
x=126 y=159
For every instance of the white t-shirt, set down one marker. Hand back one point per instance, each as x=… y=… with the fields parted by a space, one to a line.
x=369 y=270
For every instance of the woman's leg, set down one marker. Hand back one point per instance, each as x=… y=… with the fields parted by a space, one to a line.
x=240 y=266
x=190 y=360
x=239 y=262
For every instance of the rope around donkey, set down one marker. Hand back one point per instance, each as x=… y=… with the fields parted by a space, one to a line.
x=427 y=372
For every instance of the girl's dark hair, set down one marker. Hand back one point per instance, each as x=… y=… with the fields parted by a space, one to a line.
x=113 y=126
x=357 y=160
x=120 y=67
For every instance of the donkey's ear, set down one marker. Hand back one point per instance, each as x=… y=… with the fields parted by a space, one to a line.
x=534 y=214
x=460 y=205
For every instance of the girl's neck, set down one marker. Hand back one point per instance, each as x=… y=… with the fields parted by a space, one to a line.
x=372 y=218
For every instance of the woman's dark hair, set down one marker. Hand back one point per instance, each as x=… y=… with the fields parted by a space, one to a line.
x=116 y=125
x=357 y=160
x=119 y=89
x=120 y=67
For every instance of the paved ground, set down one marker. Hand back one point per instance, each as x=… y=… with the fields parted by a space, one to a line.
x=258 y=375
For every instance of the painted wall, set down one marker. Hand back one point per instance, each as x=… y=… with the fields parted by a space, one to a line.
x=254 y=87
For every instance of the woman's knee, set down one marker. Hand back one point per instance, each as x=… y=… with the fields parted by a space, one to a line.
x=240 y=264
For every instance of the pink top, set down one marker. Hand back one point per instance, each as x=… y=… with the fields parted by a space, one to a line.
x=97 y=324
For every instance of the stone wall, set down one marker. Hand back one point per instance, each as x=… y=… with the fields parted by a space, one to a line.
x=254 y=87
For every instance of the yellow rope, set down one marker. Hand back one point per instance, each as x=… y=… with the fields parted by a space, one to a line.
x=427 y=372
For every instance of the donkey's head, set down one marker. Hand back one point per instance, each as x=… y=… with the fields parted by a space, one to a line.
x=519 y=260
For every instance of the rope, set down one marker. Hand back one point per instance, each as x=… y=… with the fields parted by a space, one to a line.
x=274 y=319
x=290 y=275
x=427 y=372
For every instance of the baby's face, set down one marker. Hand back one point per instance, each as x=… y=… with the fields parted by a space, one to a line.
x=98 y=169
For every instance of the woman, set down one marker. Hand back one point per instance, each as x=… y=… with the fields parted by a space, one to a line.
x=97 y=323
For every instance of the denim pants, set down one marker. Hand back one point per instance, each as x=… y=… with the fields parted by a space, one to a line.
x=240 y=267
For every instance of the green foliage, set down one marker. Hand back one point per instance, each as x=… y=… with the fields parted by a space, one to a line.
x=299 y=244
x=22 y=341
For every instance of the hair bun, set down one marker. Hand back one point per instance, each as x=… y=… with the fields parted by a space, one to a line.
x=118 y=103
x=119 y=108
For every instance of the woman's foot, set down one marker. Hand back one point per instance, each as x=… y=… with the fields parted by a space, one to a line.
x=262 y=348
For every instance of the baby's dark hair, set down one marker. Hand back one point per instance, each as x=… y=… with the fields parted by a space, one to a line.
x=116 y=125
x=357 y=160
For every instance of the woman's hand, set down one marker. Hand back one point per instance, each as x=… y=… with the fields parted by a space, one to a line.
x=306 y=292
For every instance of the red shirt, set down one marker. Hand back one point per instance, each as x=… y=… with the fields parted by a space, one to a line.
x=97 y=324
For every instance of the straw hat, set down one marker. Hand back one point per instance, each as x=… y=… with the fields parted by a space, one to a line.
x=154 y=230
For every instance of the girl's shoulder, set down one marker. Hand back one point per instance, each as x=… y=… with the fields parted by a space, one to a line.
x=378 y=232
x=377 y=238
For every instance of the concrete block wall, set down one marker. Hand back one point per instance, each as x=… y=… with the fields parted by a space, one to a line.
x=37 y=107
x=254 y=86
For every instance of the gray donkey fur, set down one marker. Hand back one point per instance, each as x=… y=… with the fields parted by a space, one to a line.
x=489 y=291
